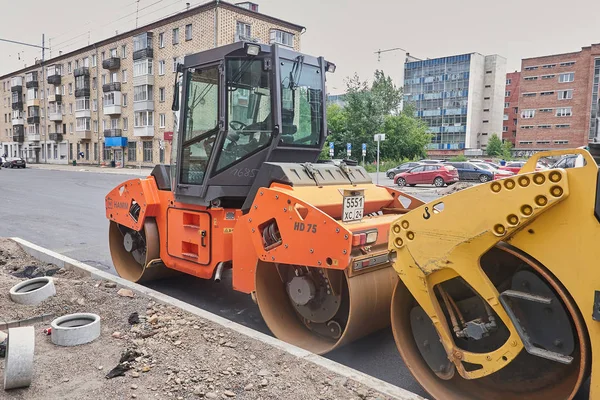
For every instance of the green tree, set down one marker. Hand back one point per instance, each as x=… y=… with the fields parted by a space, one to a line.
x=506 y=150
x=494 y=146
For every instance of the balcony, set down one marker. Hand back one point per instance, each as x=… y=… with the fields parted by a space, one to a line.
x=33 y=102
x=111 y=63
x=143 y=53
x=82 y=71
x=32 y=84
x=83 y=114
x=147 y=105
x=83 y=92
x=33 y=137
x=84 y=135
x=112 y=133
x=57 y=137
x=17 y=105
x=54 y=79
x=55 y=115
x=17 y=89
x=143 y=131
x=55 y=98
x=111 y=87
x=18 y=134
x=114 y=109
x=143 y=80
x=16 y=84
x=18 y=121
x=33 y=120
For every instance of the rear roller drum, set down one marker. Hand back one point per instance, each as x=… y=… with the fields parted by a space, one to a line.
x=555 y=373
x=136 y=255
x=319 y=309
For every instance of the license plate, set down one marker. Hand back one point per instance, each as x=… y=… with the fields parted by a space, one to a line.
x=353 y=208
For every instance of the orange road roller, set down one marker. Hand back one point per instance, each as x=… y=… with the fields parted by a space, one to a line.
x=244 y=191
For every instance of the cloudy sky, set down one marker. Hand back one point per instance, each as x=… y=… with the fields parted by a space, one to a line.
x=346 y=32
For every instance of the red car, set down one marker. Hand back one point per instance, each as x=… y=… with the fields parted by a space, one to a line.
x=436 y=174
x=515 y=166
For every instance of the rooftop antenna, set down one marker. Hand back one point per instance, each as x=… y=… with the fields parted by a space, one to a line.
x=386 y=51
x=136 y=13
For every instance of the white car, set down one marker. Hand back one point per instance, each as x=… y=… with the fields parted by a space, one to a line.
x=498 y=173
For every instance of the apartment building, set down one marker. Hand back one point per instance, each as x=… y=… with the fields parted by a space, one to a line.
x=111 y=101
x=558 y=102
x=511 y=107
x=460 y=98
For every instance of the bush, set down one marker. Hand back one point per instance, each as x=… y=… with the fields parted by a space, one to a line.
x=459 y=158
x=384 y=166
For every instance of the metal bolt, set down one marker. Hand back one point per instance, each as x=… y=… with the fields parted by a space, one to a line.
x=249 y=219
x=285 y=245
x=513 y=343
x=276 y=197
x=345 y=236
x=285 y=210
x=253 y=230
x=344 y=251
x=273 y=258
x=261 y=193
x=255 y=207
x=319 y=262
x=489 y=358
x=337 y=230
x=311 y=251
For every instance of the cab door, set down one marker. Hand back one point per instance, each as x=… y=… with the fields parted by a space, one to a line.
x=414 y=175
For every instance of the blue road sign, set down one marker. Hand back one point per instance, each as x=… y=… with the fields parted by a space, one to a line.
x=348 y=146
x=364 y=147
x=331 y=145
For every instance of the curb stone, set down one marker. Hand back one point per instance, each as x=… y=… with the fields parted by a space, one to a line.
x=68 y=263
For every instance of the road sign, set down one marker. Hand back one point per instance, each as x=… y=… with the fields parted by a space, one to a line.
x=330 y=145
x=364 y=149
x=380 y=137
x=349 y=149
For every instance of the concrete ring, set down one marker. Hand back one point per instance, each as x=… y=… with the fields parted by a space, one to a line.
x=33 y=291
x=18 y=363
x=75 y=329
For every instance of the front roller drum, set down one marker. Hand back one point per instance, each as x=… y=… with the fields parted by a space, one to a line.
x=362 y=307
x=136 y=255
x=526 y=377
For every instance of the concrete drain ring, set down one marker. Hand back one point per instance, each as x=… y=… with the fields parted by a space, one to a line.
x=33 y=291
x=75 y=329
x=18 y=364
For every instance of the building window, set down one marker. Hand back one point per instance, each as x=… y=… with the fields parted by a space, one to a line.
x=174 y=64
x=71 y=108
x=505 y=129
x=530 y=78
x=131 y=151
x=546 y=110
x=95 y=125
x=567 y=64
x=508 y=81
x=71 y=128
x=104 y=79
x=242 y=31
x=82 y=124
x=507 y=93
x=124 y=99
x=82 y=103
x=188 y=32
x=542 y=142
x=527 y=126
x=285 y=38
x=161 y=67
x=69 y=67
x=70 y=88
x=124 y=51
x=162 y=120
x=548 y=76
x=94 y=82
x=530 y=68
x=175 y=36
x=486 y=110
x=63 y=90
x=529 y=94
x=143 y=67
x=548 y=66
x=102 y=56
x=161 y=94
x=565 y=94
x=516 y=110
x=124 y=74
x=546 y=93
x=562 y=126
x=564 y=112
x=486 y=98
x=568 y=77
x=142 y=93
x=505 y=117
x=561 y=142
x=94 y=105
x=125 y=123
x=488 y=86
x=147 y=151
x=143 y=119
x=527 y=114
x=161 y=40
x=94 y=61
x=506 y=105
x=544 y=126
x=485 y=121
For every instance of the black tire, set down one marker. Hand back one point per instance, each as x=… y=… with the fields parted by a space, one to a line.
x=439 y=181
x=12 y=166
x=391 y=175
x=412 y=184
x=401 y=182
x=483 y=178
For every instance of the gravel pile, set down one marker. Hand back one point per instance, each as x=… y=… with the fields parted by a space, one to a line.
x=153 y=350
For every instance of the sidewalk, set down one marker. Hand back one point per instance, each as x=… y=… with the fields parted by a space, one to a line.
x=92 y=168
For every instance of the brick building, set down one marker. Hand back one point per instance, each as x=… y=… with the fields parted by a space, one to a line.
x=558 y=100
x=112 y=100
x=511 y=107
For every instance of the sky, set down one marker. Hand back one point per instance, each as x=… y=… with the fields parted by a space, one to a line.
x=348 y=33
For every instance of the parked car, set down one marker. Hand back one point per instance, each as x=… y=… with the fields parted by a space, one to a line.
x=436 y=174
x=392 y=172
x=468 y=171
x=498 y=173
x=569 y=161
x=14 y=162
x=431 y=161
x=515 y=166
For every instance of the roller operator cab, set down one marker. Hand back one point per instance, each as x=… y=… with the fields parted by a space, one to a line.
x=244 y=192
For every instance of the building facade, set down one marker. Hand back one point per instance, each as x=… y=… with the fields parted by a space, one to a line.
x=511 y=107
x=460 y=98
x=558 y=101
x=111 y=101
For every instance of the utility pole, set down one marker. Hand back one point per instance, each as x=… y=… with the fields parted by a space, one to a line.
x=43 y=47
x=44 y=95
x=136 y=13
x=387 y=51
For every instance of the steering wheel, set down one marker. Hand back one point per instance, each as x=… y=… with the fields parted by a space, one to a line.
x=237 y=125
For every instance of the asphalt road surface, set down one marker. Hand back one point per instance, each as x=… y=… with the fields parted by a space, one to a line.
x=64 y=211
